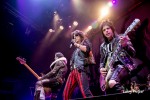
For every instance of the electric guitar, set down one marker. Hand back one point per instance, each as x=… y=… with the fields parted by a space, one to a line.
x=110 y=60
x=23 y=62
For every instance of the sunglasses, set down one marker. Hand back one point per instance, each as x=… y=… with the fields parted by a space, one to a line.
x=75 y=35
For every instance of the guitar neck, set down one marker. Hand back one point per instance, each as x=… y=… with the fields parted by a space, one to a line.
x=118 y=46
x=28 y=67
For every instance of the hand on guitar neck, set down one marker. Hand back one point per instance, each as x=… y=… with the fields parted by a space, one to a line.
x=23 y=62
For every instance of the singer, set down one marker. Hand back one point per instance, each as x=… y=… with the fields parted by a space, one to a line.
x=79 y=66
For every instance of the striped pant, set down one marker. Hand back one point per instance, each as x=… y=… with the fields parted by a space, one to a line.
x=75 y=78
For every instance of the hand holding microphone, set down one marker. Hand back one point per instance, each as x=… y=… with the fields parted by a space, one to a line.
x=72 y=43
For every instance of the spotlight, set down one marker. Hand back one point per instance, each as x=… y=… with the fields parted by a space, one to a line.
x=51 y=30
x=61 y=27
x=69 y=26
x=104 y=11
x=110 y=4
x=89 y=27
x=114 y=1
x=75 y=23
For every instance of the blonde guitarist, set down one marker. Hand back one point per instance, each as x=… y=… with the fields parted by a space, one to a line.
x=53 y=80
x=115 y=62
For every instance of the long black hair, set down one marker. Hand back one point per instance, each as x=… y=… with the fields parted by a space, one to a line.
x=108 y=23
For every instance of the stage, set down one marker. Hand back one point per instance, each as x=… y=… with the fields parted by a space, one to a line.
x=141 y=95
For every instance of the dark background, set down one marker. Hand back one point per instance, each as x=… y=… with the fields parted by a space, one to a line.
x=24 y=25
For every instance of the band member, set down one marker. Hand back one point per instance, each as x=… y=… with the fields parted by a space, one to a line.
x=79 y=66
x=53 y=80
x=122 y=64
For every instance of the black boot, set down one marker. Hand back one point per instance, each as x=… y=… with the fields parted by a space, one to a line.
x=37 y=95
x=118 y=88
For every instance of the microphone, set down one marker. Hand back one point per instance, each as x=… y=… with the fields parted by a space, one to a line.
x=72 y=43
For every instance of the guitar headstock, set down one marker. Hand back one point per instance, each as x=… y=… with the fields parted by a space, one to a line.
x=21 y=60
x=134 y=25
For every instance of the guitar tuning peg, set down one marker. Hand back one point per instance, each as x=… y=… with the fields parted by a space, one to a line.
x=23 y=58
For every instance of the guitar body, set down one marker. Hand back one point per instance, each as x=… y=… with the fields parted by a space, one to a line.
x=104 y=79
x=102 y=83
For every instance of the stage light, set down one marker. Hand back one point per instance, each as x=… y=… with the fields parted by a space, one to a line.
x=104 y=11
x=51 y=30
x=110 y=4
x=69 y=26
x=89 y=27
x=114 y=1
x=75 y=23
x=61 y=27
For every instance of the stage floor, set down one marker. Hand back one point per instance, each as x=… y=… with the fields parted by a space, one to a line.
x=141 y=95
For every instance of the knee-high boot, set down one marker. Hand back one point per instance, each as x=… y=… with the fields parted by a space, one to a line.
x=118 y=88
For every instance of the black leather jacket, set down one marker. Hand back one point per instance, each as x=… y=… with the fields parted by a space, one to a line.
x=58 y=72
x=79 y=57
x=123 y=56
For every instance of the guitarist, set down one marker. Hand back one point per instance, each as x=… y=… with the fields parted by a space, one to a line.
x=123 y=63
x=53 y=79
